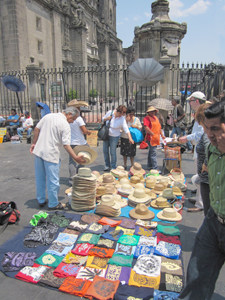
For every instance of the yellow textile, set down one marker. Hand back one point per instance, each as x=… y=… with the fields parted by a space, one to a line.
x=125 y=230
x=97 y=262
x=145 y=281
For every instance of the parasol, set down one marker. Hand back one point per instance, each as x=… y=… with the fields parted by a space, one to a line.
x=14 y=84
x=146 y=71
x=161 y=103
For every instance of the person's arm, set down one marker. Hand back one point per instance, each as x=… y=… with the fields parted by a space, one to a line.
x=35 y=138
x=79 y=159
x=108 y=116
x=85 y=130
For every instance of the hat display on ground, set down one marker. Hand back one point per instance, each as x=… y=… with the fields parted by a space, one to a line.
x=77 y=103
x=153 y=172
x=108 y=207
x=137 y=169
x=106 y=178
x=141 y=212
x=160 y=203
x=168 y=194
x=134 y=180
x=158 y=188
x=169 y=214
x=138 y=196
x=177 y=175
x=181 y=186
x=150 y=182
x=125 y=189
x=88 y=153
x=83 y=190
x=177 y=191
x=96 y=173
x=119 y=172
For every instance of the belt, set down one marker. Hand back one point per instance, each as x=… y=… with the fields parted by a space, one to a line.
x=221 y=220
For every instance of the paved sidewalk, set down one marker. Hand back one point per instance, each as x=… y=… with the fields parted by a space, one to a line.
x=18 y=184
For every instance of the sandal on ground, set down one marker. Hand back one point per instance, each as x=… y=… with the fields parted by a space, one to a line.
x=60 y=206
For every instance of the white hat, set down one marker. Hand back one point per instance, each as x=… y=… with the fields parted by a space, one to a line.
x=197 y=95
x=169 y=214
x=89 y=154
x=139 y=196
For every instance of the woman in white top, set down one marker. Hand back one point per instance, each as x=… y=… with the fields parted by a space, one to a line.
x=117 y=123
x=127 y=149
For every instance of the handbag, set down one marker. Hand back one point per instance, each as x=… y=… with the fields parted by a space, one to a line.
x=144 y=145
x=136 y=134
x=103 y=132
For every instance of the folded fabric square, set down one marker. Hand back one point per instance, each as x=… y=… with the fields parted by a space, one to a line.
x=144 y=231
x=168 y=250
x=97 y=262
x=65 y=270
x=161 y=295
x=149 y=265
x=112 y=234
x=125 y=292
x=143 y=281
x=101 y=252
x=97 y=228
x=173 y=239
x=89 y=238
x=125 y=249
x=110 y=222
x=121 y=260
x=72 y=258
x=66 y=239
x=131 y=240
x=13 y=261
x=74 y=286
x=143 y=249
x=31 y=274
x=50 y=280
x=128 y=223
x=168 y=230
x=48 y=259
x=58 y=219
x=78 y=225
x=82 y=249
x=125 y=230
x=106 y=243
x=71 y=231
x=171 y=283
x=118 y=273
x=171 y=266
x=148 y=241
x=86 y=273
x=59 y=249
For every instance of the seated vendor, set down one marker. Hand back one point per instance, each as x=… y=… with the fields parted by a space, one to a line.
x=27 y=125
x=12 y=122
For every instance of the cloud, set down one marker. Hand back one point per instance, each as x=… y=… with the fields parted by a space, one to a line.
x=148 y=15
x=178 y=10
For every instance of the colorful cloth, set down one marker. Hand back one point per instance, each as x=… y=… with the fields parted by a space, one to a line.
x=128 y=223
x=118 y=273
x=71 y=231
x=173 y=239
x=144 y=231
x=106 y=243
x=143 y=249
x=74 y=286
x=121 y=260
x=148 y=241
x=112 y=234
x=13 y=261
x=82 y=249
x=35 y=218
x=148 y=265
x=131 y=240
x=89 y=273
x=168 y=230
x=124 y=249
x=97 y=262
x=162 y=295
x=108 y=221
x=101 y=252
x=168 y=250
x=97 y=228
x=50 y=280
x=171 y=283
x=71 y=258
x=31 y=274
x=65 y=270
x=58 y=219
x=66 y=239
x=78 y=225
x=49 y=260
x=90 y=218
x=89 y=238
x=171 y=266
x=125 y=230
x=59 y=250
x=142 y=280
x=102 y=288
x=126 y=292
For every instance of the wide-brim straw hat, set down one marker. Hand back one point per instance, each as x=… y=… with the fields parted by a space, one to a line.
x=177 y=191
x=158 y=188
x=151 y=108
x=168 y=194
x=77 y=103
x=177 y=175
x=137 y=169
x=96 y=173
x=134 y=180
x=169 y=214
x=141 y=212
x=181 y=186
x=151 y=193
x=119 y=172
x=109 y=200
x=119 y=200
x=84 y=174
x=150 y=182
x=125 y=189
x=88 y=153
x=123 y=180
x=139 y=196
x=160 y=203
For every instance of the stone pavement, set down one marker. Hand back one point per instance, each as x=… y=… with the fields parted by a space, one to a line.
x=18 y=184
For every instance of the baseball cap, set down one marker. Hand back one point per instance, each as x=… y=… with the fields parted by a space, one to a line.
x=197 y=95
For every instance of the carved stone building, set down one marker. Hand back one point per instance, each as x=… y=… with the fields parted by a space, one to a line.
x=58 y=33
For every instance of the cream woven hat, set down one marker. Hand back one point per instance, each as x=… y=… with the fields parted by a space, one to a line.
x=160 y=202
x=134 y=180
x=139 y=196
x=88 y=153
x=177 y=191
x=169 y=214
x=96 y=173
x=139 y=185
x=106 y=179
x=177 y=175
x=77 y=103
x=119 y=172
x=166 y=181
x=119 y=200
x=141 y=212
x=85 y=173
x=181 y=186
x=108 y=200
x=137 y=169
x=158 y=188
x=125 y=189
x=150 y=182
x=150 y=193
x=100 y=190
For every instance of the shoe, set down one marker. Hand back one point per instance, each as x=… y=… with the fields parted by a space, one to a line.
x=194 y=191
x=29 y=140
x=60 y=206
x=125 y=168
x=106 y=169
x=42 y=204
x=192 y=200
x=194 y=209
x=188 y=152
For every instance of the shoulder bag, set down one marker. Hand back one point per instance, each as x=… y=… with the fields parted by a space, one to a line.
x=103 y=132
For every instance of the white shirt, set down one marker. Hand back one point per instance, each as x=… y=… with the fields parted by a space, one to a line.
x=77 y=136
x=54 y=132
x=27 y=122
x=116 y=124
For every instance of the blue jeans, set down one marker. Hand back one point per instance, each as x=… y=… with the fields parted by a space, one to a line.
x=110 y=145
x=20 y=130
x=152 y=157
x=178 y=131
x=206 y=260
x=47 y=173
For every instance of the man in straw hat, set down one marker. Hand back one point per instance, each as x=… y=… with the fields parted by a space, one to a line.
x=208 y=254
x=51 y=132
x=153 y=130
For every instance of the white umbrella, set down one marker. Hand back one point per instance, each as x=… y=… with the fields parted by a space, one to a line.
x=161 y=103
x=146 y=71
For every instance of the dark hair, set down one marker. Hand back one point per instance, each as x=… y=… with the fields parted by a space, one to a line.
x=121 y=108
x=130 y=110
x=13 y=110
x=176 y=99
x=216 y=110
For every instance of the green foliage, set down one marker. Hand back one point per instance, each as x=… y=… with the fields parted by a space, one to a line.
x=93 y=93
x=111 y=94
x=73 y=94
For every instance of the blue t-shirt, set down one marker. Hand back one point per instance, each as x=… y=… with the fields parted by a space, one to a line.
x=16 y=117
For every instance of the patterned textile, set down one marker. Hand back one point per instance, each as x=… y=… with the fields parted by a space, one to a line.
x=101 y=252
x=65 y=270
x=82 y=249
x=66 y=239
x=168 y=250
x=124 y=249
x=162 y=295
x=171 y=266
x=59 y=250
x=78 y=225
x=49 y=260
x=13 y=261
x=131 y=240
x=168 y=230
x=148 y=241
x=128 y=223
x=106 y=243
x=121 y=260
x=125 y=230
x=145 y=232
x=58 y=219
x=90 y=218
x=71 y=231
x=148 y=265
x=89 y=238
x=35 y=218
x=97 y=262
x=118 y=273
x=112 y=234
x=108 y=221
x=71 y=258
x=129 y=292
x=31 y=274
x=143 y=249
x=174 y=239
x=74 y=286
x=50 y=280
x=89 y=273
x=102 y=288
x=142 y=280
x=97 y=228
x=172 y=283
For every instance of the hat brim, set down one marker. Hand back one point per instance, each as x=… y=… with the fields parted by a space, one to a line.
x=178 y=194
x=154 y=205
x=119 y=174
x=77 y=103
x=161 y=217
x=133 y=171
x=139 y=200
x=85 y=148
x=150 y=215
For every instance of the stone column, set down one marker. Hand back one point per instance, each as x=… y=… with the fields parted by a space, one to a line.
x=165 y=61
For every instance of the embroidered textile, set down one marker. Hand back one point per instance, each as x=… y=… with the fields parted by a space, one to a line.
x=65 y=270
x=112 y=234
x=121 y=260
x=71 y=231
x=168 y=250
x=124 y=249
x=118 y=273
x=143 y=249
x=101 y=252
x=162 y=295
x=106 y=243
x=142 y=280
x=78 y=225
x=90 y=218
x=148 y=265
x=74 y=286
x=89 y=273
x=173 y=239
x=128 y=223
x=71 y=258
x=82 y=249
x=125 y=230
x=172 y=283
x=129 y=292
x=108 y=221
x=168 y=230
x=66 y=239
x=97 y=228
x=145 y=232
x=171 y=266
x=97 y=262
x=31 y=274
x=148 y=241
x=58 y=219
x=89 y=238
x=131 y=240
x=50 y=280
x=49 y=260
x=59 y=250
x=13 y=261
x=102 y=288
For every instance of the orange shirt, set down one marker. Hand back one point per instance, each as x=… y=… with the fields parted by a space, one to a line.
x=154 y=125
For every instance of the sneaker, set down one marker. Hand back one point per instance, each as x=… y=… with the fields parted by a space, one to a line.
x=106 y=169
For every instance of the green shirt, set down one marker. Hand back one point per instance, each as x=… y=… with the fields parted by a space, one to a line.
x=216 y=170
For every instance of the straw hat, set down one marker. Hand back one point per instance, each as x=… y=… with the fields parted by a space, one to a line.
x=137 y=169
x=169 y=214
x=134 y=180
x=100 y=190
x=77 y=103
x=96 y=173
x=106 y=179
x=85 y=173
x=121 y=201
x=141 y=176
x=139 y=196
x=160 y=202
x=110 y=189
x=150 y=182
x=158 y=188
x=89 y=154
x=109 y=200
x=150 y=193
x=177 y=175
x=119 y=172
x=177 y=191
x=166 y=181
x=125 y=189
x=168 y=194
x=139 y=185
x=151 y=108
x=181 y=186
x=141 y=212
x=68 y=191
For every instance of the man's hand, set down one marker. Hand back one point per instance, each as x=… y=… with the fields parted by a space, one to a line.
x=80 y=159
x=182 y=139
x=32 y=148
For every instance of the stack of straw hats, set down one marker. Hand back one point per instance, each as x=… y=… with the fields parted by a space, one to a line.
x=138 y=196
x=84 y=190
x=108 y=206
x=160 y=203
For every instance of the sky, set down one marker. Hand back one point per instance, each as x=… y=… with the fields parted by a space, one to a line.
x=204 y=41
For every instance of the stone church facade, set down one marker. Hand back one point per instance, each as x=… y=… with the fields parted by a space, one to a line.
x=58 y=33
